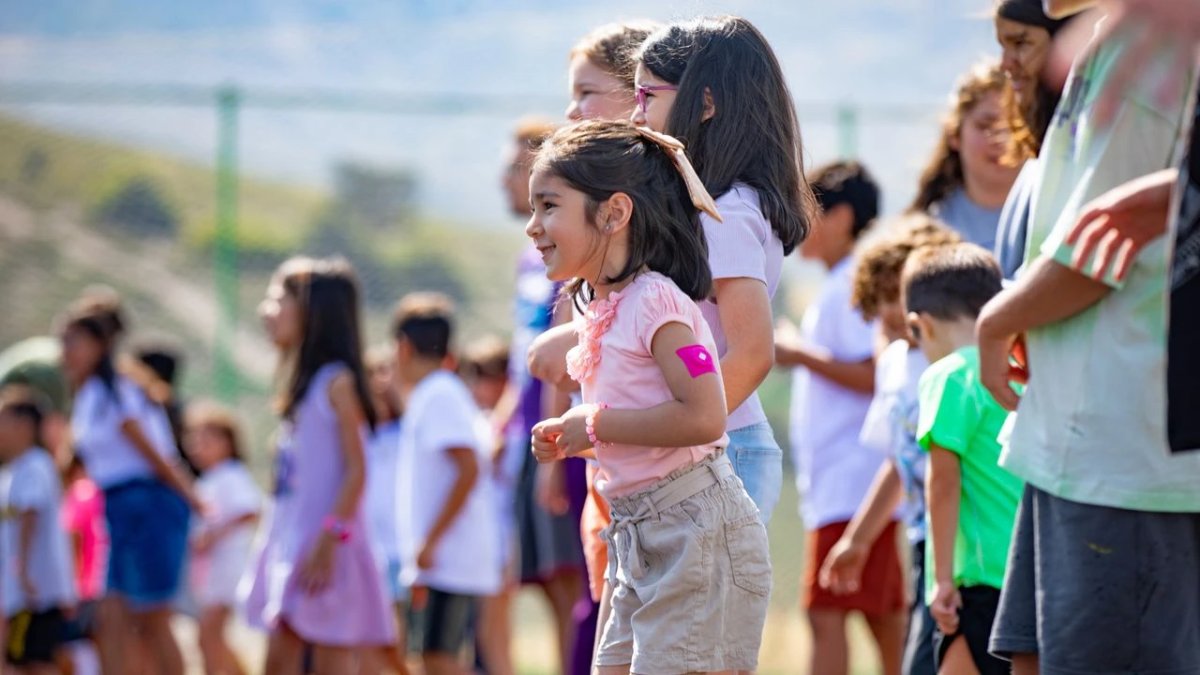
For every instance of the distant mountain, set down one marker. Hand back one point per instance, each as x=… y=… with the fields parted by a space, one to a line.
x=868 y=52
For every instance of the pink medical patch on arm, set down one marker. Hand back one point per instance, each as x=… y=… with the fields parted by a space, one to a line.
x=697 y=359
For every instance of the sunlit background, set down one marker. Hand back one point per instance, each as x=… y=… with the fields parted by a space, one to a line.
x=178 y=151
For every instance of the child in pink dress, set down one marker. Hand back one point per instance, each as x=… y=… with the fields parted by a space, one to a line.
x=689 y=565
x=315 y=579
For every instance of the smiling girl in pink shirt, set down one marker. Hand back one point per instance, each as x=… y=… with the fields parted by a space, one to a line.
x=614 y=210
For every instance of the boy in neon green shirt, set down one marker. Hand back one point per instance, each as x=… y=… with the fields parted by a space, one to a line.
x=971 y=501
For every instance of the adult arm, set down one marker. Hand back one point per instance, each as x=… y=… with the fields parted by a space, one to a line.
x=1048 y=292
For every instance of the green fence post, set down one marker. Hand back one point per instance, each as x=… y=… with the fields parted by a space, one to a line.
x=847 y=121
x=225 y=263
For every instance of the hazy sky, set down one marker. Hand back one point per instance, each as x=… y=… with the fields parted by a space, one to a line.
x=897 y=59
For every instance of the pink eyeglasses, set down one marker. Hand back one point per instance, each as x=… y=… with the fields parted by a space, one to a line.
x=643 y=89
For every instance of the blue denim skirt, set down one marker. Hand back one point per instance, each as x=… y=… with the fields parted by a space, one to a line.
x=148 y=535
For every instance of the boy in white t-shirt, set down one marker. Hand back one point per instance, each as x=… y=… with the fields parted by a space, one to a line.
x=38 y=581
x=448 y=532
x=834 y=379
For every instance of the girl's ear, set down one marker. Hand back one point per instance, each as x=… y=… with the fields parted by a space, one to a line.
x=617 y=215
x=710 y=108
x=954 y=140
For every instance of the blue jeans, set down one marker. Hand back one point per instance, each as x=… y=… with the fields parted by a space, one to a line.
x=758 y=461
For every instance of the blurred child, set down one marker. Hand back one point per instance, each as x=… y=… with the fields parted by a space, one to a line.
x=484 y=368
x=37 y=572
x=890 y=428
x=83 y=521
x=383 y=475
x=159 y=363
x=126 y=443
x=967 y=179
x=315 y=581
x=449 y=532
x=550 y=555
x=831 y=392
x=223 y=539
x=972 y=502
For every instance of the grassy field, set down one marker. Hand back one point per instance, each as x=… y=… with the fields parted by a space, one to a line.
x=49 y=250
x=786 y=642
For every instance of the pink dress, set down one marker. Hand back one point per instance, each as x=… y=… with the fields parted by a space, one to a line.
x=354 y=609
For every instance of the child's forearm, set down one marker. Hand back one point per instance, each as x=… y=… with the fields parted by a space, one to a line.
x=164 y=470
x=856 y=375
x=25 y=540
x=223 y=530
x=943 y=492
x=456 y=501
x=673 y=424
x=876 y=511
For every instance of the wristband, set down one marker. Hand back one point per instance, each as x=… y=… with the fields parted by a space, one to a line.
x=589 y=423
x=337 y=528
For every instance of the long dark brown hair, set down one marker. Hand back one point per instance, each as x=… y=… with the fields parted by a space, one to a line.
x=602 y=158
x=327 y=292
x=944 y=172
x=754 y=137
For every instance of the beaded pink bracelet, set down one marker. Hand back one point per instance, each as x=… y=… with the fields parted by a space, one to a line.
x=589 y=423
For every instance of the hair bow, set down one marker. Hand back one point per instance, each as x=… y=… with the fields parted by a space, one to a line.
x=696 y=190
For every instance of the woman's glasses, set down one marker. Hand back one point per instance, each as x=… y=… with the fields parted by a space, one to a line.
x=643 y=89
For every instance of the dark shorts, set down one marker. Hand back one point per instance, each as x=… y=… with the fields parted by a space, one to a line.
x=147 y=530
x=33 y=637
x=975 y=619
x=82 y=626
x=1095 y=589
x=443 y=624
x=550 y=544
x=918 y=647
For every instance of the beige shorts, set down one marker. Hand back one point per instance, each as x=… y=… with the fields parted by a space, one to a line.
x=690 y=571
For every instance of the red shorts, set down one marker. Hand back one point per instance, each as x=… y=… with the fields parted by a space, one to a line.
x=594 y=519
x=882 y=590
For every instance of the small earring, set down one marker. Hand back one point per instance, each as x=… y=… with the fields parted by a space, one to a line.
x=608 y=227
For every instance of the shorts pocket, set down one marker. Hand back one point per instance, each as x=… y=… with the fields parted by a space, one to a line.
x=749 y=554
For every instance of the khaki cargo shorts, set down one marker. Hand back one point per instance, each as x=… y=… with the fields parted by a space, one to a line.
x=690 y=571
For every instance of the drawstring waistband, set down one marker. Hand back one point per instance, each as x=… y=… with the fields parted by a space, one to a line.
x=651 y=503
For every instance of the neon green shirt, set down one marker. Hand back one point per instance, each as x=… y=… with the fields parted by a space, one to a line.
x=959 y=415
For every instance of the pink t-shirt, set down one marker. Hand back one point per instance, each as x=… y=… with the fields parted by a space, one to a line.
x=83 y=519
x=614 y=365
x=742 y=245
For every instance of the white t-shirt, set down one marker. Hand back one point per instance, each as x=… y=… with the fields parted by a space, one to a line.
x=833 y=469
x=96 y=417
x=230 y=493
x=440 y=416
x=741 y=246
x=383 y=452
x=30 y=483
x=891 y=427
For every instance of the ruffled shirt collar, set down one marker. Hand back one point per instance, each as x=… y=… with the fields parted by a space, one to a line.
x=583 y=358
